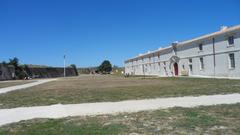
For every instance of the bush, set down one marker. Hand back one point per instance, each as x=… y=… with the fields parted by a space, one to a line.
x=105 y=67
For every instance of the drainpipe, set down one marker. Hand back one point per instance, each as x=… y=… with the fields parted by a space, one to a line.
x=143 y=71
x=214 y=57
x=154 y=64
x=174 y=47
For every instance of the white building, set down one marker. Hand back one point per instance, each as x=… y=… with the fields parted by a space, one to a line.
x=213 y=55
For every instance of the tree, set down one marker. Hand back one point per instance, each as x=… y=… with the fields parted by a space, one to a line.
x=115 y=67
x=14 y=62
x=19 y=71
x=105 y=67
x=27 y=70
x=4 y=63
x=75 y=68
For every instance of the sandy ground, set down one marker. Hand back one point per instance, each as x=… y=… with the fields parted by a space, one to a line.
x=58 y=111
x=24 y=86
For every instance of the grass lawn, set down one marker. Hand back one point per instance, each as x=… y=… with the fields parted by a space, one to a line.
x=221 y=119
x=5 y=84
x=84 y=89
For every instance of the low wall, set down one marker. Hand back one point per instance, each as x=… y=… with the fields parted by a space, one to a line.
x=50 y=72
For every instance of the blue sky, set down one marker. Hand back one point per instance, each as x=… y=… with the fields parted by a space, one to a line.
x=90 y=31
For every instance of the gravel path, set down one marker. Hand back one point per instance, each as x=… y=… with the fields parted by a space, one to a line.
x=59 y=111
x=24 y=86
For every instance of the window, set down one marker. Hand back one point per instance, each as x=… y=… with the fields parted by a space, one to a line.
x=200 y=46
x=190 y=61
x=190 y=68
x=201 y=64
x=164 y=63
x=231 y=60
x=146 y=68
x=183 y=67
x=0 y=72
x=231 y=40
x=190 y=65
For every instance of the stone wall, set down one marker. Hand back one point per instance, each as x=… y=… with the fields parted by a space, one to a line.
x=50 y=72
x=6 y=72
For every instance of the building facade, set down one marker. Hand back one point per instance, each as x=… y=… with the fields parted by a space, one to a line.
x=212 y=55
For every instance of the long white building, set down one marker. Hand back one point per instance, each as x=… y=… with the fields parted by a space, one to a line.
x=212 y=55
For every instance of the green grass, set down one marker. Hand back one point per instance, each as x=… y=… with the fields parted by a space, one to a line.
x=221 y=119
x=193 y=119
x=85 y=89
x=63 y=127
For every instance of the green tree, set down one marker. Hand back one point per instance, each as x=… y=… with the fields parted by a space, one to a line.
x=75 y=68
x=19 y=71
x=4 y=63
x=14 y=62
x=105 y=67
x=27 y=70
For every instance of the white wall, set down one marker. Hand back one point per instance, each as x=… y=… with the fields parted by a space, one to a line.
x=191 y=50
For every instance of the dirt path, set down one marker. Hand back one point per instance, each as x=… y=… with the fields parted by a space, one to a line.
x=24 y=86
x=59 y=111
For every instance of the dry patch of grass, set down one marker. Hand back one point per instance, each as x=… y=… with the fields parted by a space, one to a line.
x=112 y=88
x=5 y=84
x=221 y=119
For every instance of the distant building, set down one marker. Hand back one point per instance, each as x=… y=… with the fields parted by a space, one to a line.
x=7 y=72
x=216 y=54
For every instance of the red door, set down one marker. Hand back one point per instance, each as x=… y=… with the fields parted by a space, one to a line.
x=176 y=69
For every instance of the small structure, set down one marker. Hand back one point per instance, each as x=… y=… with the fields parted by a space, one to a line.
x=7 y=72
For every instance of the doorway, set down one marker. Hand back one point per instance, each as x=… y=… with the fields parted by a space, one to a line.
x=175 y=69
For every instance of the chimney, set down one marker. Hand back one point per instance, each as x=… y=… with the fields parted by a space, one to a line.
x=174 y=46
x=175 y=43
x=223 y=28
